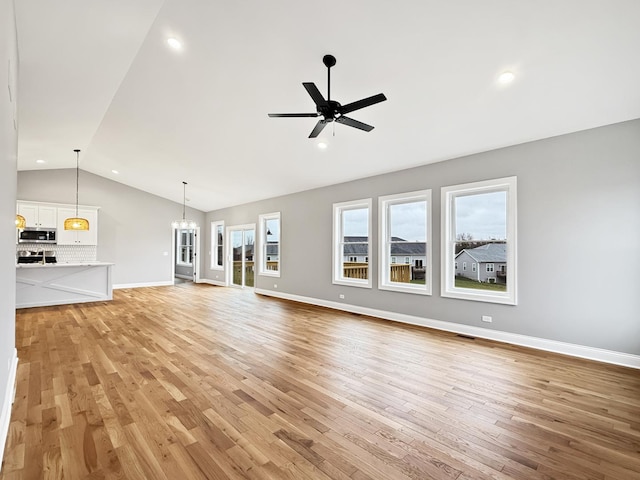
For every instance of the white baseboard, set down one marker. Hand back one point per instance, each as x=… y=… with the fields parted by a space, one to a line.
x=142 y=285
x=10 y=395
x=217 y=283
x=581 y=351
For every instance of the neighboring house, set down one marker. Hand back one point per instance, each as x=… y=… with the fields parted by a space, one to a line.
x=487 y=263
x=273 y=254
x=412 y=253
x=355 y=252
x=403 y=253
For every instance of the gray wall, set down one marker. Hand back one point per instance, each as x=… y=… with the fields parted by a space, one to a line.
x=578 y=237
x=134 y=227
x=8 y=155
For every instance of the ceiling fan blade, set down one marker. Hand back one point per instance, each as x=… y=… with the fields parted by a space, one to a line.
x=354 y=123
x=293 y=115
x=365 y=102
x=315 y=94
x=318 y=128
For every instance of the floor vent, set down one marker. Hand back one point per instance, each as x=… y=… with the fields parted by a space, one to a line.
x=468 y=337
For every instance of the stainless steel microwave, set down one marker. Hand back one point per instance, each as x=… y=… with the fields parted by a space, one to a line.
x=38 y=235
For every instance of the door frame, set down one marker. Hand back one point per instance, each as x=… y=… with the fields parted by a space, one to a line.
x=229 y=252
x=196 y=254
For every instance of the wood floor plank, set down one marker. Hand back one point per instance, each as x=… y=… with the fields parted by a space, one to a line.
x=201 y=382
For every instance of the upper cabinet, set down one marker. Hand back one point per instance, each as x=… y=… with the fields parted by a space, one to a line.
x=78 y=237
x=53 y=215
x=38 y=216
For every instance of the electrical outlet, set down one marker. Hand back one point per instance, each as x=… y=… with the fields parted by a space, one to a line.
x=275 y=285
x=487 y=318
x=341 y=296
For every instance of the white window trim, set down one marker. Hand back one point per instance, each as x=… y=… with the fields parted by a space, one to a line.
x=214 y=245
x=384 y=257
x=179 y=246
x=337 y=268
x=448 y=289
x=262 y=239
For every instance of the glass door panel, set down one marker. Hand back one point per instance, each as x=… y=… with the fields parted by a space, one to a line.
x=242 y=242
x=249 y=264
x=236 y=245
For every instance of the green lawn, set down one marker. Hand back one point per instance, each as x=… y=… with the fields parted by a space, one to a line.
x=462 y=282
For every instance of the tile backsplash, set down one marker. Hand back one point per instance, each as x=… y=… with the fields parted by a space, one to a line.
x=64 y=253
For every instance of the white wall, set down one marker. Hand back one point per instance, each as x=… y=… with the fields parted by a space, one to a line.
x=578 y=237
x=8 y=155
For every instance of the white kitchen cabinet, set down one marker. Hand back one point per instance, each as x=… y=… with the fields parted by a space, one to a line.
x=38 y=216
x=78 y=237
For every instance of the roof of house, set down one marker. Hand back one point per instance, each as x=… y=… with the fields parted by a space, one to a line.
x=351 y=247
x=491 y=252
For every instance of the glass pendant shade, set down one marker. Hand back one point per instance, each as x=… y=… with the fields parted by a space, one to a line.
x=184 y=223
x=76 y=223
x=21 y=222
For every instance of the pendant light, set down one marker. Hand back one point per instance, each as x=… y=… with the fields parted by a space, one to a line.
x=76 y=223
x=184 y=223
x=21 y=222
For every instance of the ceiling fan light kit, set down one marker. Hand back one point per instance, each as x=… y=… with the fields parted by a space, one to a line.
x=331 y=110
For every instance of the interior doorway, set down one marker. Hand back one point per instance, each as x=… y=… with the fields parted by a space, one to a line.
x=241 y=241
x=185 y=246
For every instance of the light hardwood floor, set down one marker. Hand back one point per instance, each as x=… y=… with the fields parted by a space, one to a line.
x=237 y=386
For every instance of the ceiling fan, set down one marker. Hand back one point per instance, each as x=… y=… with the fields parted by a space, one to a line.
x=330 y=110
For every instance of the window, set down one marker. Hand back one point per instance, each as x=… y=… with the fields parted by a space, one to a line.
x=473 y=267
x=217 y=245
x=479 y=225
x=405 y=232
x=184 y=247
x=351 y=240
x=464 y=266
x=269 y=244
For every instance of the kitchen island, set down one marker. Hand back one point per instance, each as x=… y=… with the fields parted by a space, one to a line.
x=39 y=285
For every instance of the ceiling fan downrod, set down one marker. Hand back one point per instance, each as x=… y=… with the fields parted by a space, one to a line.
x=329 y=61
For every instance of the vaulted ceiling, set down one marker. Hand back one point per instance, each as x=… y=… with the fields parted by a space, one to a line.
x=100 y=76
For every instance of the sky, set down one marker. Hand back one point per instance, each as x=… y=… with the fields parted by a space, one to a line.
x=481 y=215
x=407 y=221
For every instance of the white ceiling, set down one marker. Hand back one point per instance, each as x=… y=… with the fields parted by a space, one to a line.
x=100 y=76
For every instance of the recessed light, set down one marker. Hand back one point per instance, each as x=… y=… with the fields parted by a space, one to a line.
x=506 y=77
x=322 y=145
x=41 y=161
x=115 y=171
x=174 y=43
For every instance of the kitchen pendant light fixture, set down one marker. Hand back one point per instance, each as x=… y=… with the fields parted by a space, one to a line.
x=184 y=223
x=21 y=222
x=76 y=223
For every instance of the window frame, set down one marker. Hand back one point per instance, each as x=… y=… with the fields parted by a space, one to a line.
x=384 y=245
x=214 y=245
x=190 y=247
x=262 y=244
x=337 y=269
x=448 y=195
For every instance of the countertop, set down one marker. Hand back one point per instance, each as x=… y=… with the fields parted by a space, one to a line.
x=62 y=264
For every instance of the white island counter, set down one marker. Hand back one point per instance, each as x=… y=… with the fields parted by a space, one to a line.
x=40 y=285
